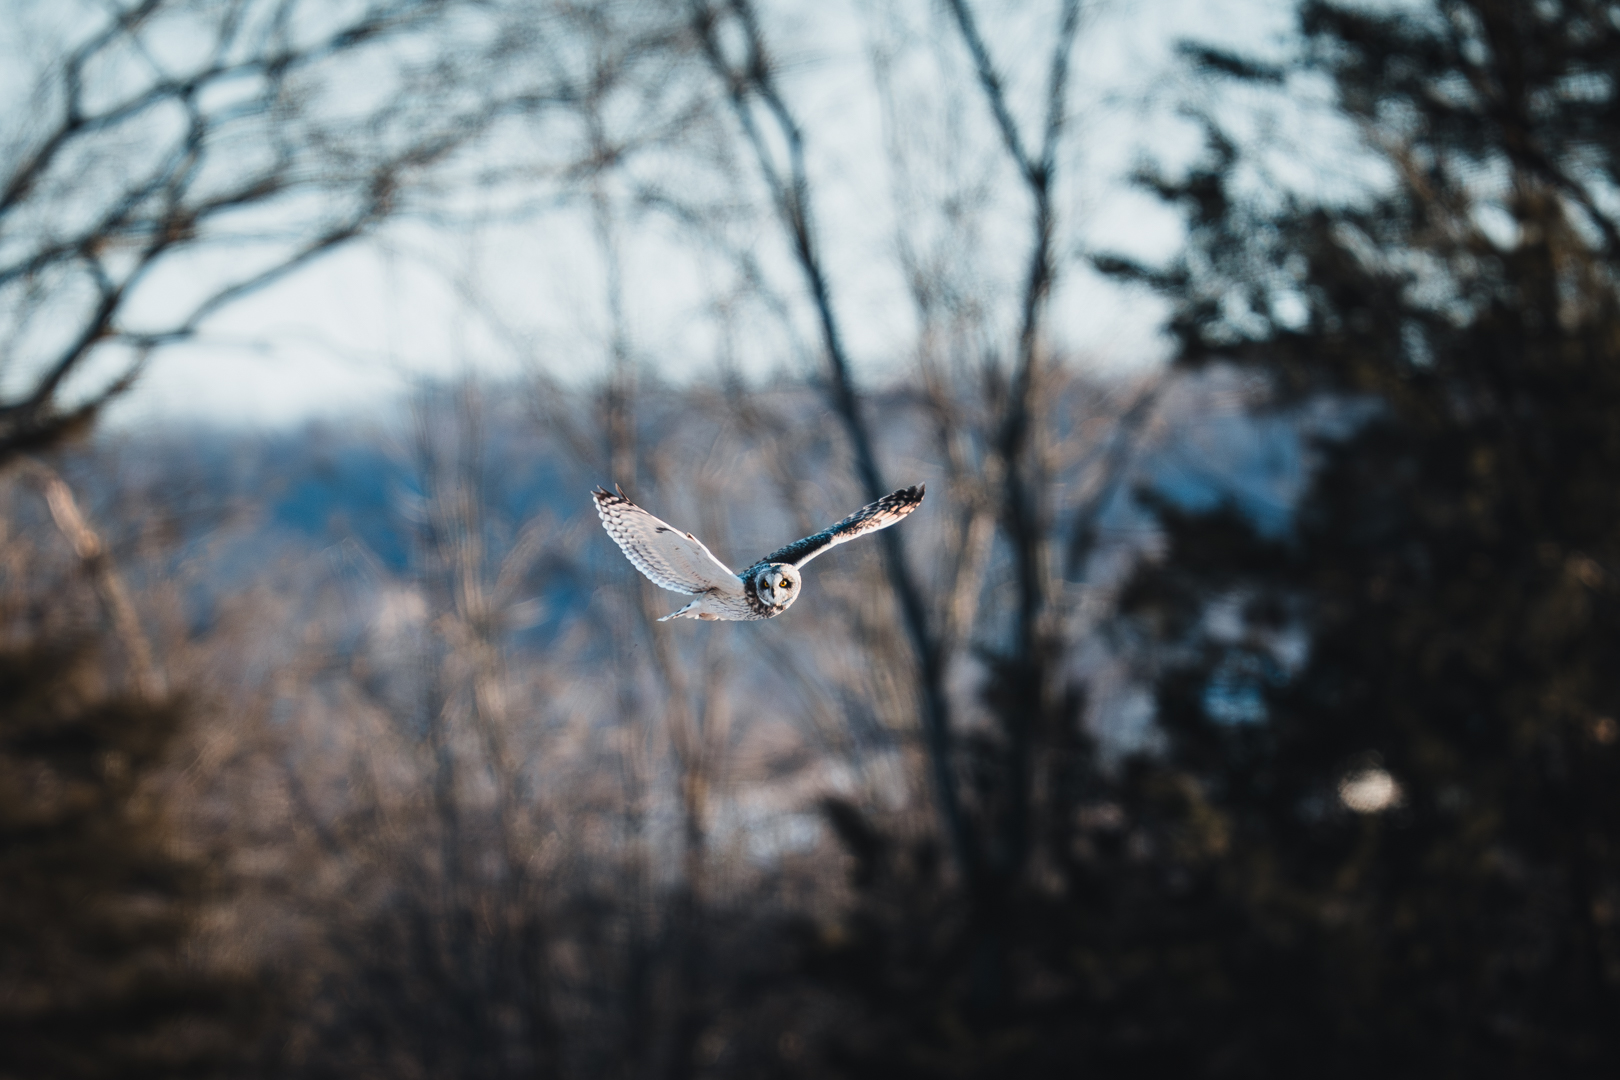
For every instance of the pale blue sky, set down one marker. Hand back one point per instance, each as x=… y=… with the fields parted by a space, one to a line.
x=357 y=328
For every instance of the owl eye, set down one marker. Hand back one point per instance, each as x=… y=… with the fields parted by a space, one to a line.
x=786 y=584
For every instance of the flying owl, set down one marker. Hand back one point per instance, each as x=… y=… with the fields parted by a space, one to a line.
x=679 y=562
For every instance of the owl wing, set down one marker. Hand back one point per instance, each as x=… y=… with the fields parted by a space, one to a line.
x=671 y=559
x=869 y=518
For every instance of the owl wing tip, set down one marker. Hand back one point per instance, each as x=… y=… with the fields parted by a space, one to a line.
x=905 y=500
x=604 y=497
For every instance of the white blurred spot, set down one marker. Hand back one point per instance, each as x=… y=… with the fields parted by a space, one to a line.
x=1367 y=791
x=399 y=610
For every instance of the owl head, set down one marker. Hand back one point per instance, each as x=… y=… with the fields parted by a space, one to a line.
x=777 y=584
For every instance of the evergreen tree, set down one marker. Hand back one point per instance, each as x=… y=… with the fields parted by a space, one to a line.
x=96 y=907
x=1405 y=710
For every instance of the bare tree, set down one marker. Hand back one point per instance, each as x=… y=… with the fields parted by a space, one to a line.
x=748 y=78
x=178 y=155
x=508 y=857
x=1006 y=486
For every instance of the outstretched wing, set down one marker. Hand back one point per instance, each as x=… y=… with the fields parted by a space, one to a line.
x=671 y=559
x=870 y=518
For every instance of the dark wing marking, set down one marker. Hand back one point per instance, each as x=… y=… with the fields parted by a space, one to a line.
x=870 y=518
x=671 y=559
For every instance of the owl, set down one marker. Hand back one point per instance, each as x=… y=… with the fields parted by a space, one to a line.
x=679 y=562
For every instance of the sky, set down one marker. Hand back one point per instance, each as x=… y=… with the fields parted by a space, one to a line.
x=354 y=331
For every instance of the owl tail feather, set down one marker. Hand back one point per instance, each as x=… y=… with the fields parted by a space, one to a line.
x=687 y=612
x=683 y=612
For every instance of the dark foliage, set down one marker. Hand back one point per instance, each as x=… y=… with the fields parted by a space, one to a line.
x=96 y=909
x=1381 y=834
x=1446 y=613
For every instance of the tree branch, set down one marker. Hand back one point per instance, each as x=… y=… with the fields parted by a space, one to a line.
x=792 y=197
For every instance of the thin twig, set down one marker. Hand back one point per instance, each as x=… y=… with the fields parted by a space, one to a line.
x=103 y=573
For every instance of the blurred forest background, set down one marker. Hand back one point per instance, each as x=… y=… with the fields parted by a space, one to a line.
x=1254 y=713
